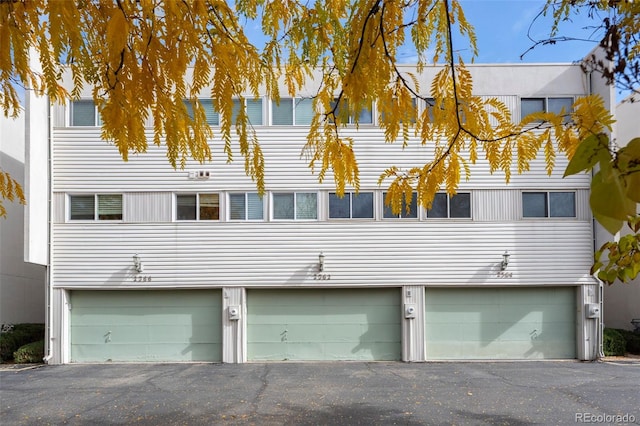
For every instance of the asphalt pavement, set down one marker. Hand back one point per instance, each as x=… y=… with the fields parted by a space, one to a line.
x=342 y=393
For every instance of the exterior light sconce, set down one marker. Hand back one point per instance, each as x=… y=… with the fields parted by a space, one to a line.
x=137 y=263
x=505 y=261
x=321 y=262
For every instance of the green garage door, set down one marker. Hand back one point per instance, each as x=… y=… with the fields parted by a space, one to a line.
x=500 y=323
x=326 y=324
x=147 y=325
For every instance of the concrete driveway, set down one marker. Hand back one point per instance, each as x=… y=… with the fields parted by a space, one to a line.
x=344 y=393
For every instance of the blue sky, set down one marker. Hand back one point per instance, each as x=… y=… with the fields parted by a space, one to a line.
x=502 y=26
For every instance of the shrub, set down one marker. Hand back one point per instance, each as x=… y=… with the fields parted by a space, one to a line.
x=30 y=353
x=632 y=341
x=20 y=335
x=613 y=342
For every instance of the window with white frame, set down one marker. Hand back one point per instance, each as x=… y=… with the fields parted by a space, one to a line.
x=253 y=111
x=549 y=204
x=84 y=113
x=292 y=111
x=555 y=105
x=211 y=115
x=351 y=205
x=450 y=206
x=364 y=116
x=412 y=120
x=246 y=206
x=197 y=207
x=410 y=213
x=295 y=205
x=95 y=207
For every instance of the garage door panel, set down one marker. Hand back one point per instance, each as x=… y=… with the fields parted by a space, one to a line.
x=327 y=324
x=162 y=325
x=512 y=323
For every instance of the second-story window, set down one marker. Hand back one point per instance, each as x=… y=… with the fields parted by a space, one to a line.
x=212 y=116
x=351 y=205
x=84 y=113
x=292 y=111
x=95 y=207
x=246 y=206
x=348 y=115
x=410 y=213
x=253 y=109
x=555 y=105
x=295 y=206
x=445 y=206
x=549 y=204
x=197 y=207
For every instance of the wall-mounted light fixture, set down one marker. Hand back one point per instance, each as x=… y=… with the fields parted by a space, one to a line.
x=505 y=260
x=137 y=263
x=321 y=262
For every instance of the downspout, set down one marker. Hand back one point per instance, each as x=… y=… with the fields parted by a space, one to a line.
x=599 y=350
x=48 y=280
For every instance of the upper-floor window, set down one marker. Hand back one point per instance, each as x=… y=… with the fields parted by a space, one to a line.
x=211 y=115
x=253 y=110
x=246 y=206
x=84 y=113
x=410 y=213
x=549 y=204
x=197 y=207
x=555 y=105
x=95 y=207
x=446 y=206
x=292 y=111
x=295 y=205
x=351 y=205
x=364 y=116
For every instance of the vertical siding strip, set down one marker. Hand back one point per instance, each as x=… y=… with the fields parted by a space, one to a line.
x=147 y=207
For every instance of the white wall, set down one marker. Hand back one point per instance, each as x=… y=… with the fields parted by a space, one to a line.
x=622 y=301
x=22 y=285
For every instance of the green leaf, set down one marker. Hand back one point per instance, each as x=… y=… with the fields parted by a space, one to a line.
x=590 y=152
x=608 y=196
x=610 y=224
x=628 y=162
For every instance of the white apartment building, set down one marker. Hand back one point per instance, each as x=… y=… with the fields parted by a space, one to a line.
x=148 y=263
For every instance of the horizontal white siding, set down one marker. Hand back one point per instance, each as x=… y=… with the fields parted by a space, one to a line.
x=82 y=162
x=549 y=252
x=58 y=207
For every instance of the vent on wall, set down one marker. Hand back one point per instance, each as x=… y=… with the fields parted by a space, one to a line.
x=199 y=174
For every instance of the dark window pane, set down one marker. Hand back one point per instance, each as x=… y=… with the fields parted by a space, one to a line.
x=531 y=105
x=558 y=105
x=412 y=213
x=304 y=111
x=306 y=205
x=413 y=207
x=186 y=207
x=236 y=207
x=255 y=206
x=282 y=114
x=439 y=206
x=362 y=205
x=283 y=206
x=534 y=204
x=82 y=207
x=209 y=207
x=339 y=208
x=562 y=204
x=213 y=119
x=460 y=205
x=110 y=207
x=83 y=113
